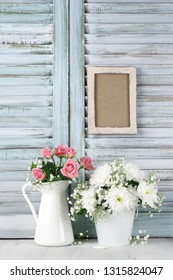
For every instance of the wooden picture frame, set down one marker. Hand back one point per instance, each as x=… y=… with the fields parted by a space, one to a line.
x=111 y=100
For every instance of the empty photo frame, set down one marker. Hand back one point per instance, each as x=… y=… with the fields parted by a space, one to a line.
x=111 y=100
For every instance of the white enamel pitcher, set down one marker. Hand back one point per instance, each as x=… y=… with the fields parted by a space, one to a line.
x=53 y=224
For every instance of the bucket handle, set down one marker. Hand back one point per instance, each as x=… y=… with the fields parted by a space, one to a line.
x=28 y=200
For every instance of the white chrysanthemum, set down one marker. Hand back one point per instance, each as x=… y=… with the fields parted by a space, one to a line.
x=100 y=175
x=148 y=194
x=110 y=191
x=133 y=191
x=120 y=199
x=133 y=172
x=88 y=200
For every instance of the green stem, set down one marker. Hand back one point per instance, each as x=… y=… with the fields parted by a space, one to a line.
x=81 y=167
x=54 y=164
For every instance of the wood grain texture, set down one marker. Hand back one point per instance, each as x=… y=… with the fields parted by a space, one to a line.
x=26 y=18
x=26 y=101
x=128 y=18
x=126 y=1
x=31 y=8
x=135 y=49
x=42 y=69
x=108 y=7
x=129 y=28
x=77 y=76
x=157 y=249
x=128 y=38
x=26 y=1
x=137 y=34
x=61 y=82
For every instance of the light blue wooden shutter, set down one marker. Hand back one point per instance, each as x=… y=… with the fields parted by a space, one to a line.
x=139 y=34
x=34 y=65
x=32 y=97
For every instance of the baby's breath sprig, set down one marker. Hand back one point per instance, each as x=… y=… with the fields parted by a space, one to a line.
x=82 y=236
x=140 y=239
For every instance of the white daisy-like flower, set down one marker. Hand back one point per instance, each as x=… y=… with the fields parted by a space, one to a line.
x=133 y=172
x=120 y=199
x=88 y=200
x=148 y=193
x=115 y=188
x=100 y=175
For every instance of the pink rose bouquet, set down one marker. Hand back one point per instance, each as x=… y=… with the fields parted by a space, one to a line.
x=58 y=164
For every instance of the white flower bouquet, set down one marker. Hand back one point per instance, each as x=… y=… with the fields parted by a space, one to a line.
x=114 y=188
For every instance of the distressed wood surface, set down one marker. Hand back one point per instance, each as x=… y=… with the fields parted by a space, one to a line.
x=108 y=7
x=121 y=142
x=61 y=81
x=138 y=34
x=166 y=152
x=26 y=1
x=77 y=80
x=117 y=33
x=126 y=1
x=135 y=49
x=77 y=76
x=143 y=133
x=111 y=60
x=29 y=101
x=29 y=49
x=128 y=39
x=30 y=70
x=31 y=8
x=39 y=39
x=26 y=90
x=157 y=249
x=27 y=142
x=26 y=101
x=21 y=133
x=129 y=28
x=26 y=18
x=25 y=28
x=13 y=226
x=26 y=121
x=128 y=18
x=26 y=111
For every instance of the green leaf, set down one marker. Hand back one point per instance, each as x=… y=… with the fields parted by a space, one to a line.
x=33 y=165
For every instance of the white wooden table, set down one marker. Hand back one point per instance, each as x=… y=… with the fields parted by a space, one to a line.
x=156 y=249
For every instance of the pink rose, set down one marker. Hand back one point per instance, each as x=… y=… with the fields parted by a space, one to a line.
x=38 y=174
x=86 y=163
x=60 y=151
x=46 y=152
x=70 y=152
x=70 y=169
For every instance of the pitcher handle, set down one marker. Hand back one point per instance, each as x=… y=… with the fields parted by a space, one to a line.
x=28 y=200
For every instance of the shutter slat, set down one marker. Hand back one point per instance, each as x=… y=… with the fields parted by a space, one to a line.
x=128 y=18
x=126 y=8
x=26 y=8
x=26 y=18
x=26 y=98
